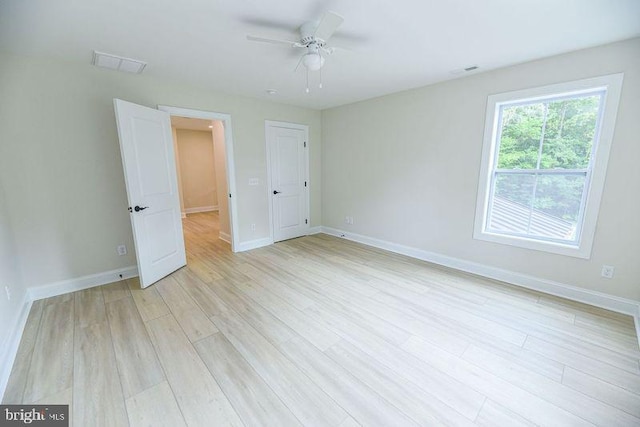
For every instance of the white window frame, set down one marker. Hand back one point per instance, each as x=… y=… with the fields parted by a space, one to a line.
x=594 y=182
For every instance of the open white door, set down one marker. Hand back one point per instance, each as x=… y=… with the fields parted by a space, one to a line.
x=146 y=145
x=287 y=148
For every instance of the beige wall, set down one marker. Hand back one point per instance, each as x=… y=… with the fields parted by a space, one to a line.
x=220 y=155
x=176 y=153
x=9 y=277
x=197 y=169
x=406 y=167
x=62 y=169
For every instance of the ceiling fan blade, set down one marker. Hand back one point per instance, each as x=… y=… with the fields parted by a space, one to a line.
x=328 y=25
x=274 y=41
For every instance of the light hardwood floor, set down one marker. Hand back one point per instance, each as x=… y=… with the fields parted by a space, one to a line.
x=322 y=331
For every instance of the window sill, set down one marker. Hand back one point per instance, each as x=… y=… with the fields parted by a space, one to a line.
x=582 y=251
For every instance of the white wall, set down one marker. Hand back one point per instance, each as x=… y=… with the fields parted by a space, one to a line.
x=220 y=155
x=10 y=277
x=406 y=167
x=62 y=170
x=197 y=169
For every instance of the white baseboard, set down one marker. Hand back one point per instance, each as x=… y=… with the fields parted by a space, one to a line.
x=314 y=230
x=224 y=236
x=254 y=244
x=79 y=283
x=8 y=355
x=183 y=215
x=201 y=209
x=598 y=299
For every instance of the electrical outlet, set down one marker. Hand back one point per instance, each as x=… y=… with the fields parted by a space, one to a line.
x=348 y=219
x=351 y=220
x=607 y=271
x=8 y=291
x=122 y=250
x=253 y=227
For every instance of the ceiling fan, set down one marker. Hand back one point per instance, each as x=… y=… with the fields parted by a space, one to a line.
x=314 y=36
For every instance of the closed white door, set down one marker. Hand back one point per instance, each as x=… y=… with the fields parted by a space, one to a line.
x=287 y=148
x=148 y=159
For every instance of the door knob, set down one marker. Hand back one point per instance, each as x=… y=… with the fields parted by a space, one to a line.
x=276 y=192
x=138 y=208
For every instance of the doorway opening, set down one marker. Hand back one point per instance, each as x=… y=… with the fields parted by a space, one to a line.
x=203 y=147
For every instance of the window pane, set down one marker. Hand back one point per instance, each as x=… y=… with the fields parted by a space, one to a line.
x=556 y=206
x=511 y=203
x=521 y=130
x=569 y=132
x=543 y=154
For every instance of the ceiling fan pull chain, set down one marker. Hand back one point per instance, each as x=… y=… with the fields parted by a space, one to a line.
x=307 y=89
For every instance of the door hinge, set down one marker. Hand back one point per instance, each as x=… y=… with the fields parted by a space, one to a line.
x=305 y=144
x=305 y=183
x=229 y=195
x=306 y=221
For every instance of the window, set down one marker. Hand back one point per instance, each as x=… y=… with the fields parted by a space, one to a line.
x=544 y=162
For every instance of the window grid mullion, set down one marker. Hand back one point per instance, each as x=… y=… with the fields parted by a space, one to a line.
x=535 y=176
x=543 y=171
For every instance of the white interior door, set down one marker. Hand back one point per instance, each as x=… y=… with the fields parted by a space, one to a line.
x=287 y=148
x=146 y=145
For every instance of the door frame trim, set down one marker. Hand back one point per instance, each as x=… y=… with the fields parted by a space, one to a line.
x=230 y=165
x=288 y=125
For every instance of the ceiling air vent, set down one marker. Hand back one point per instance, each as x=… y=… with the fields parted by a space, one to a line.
x=118 y=63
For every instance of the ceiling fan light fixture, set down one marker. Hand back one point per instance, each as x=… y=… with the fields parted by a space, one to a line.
x=313 y=61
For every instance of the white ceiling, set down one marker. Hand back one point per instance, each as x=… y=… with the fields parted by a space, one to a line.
x=394 y=45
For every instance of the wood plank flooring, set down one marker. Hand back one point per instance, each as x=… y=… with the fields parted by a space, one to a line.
x=320 y=331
